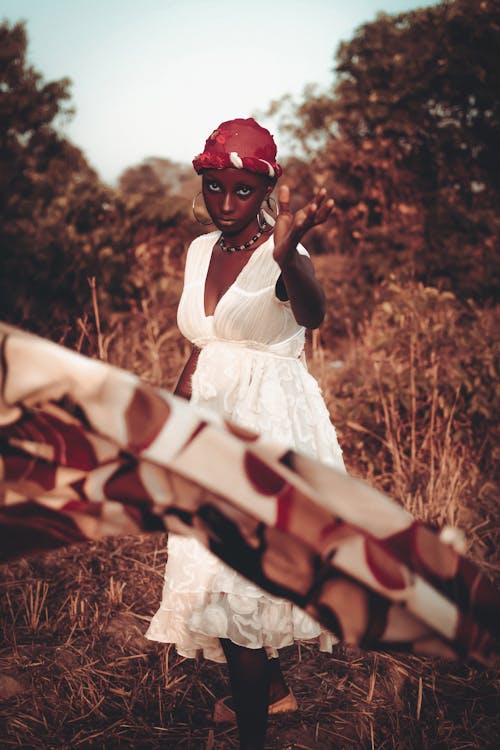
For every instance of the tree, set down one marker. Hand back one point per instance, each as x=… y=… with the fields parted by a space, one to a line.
x=39 y=175
x=407 y=141
x=60 y=226
x=158 y=192
x=57 y=221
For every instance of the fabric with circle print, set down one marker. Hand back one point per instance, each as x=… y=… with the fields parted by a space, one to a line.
x=88 y=450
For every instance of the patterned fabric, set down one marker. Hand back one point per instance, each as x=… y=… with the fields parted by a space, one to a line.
x=88 y=450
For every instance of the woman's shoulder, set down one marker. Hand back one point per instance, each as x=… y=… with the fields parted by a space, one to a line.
x=203 y=240
x=201 y=245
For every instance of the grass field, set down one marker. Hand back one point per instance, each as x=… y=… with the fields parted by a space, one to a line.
x=77 y=672
x=75 y=668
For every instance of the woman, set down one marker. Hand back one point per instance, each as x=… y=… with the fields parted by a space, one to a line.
x=249 y=293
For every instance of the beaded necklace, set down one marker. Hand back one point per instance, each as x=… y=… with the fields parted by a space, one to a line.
x=246 y=245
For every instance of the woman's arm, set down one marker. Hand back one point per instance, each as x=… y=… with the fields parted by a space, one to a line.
x=183 y=386
x=297 y=272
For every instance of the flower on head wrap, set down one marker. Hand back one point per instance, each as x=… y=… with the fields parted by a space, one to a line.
x=240 y=143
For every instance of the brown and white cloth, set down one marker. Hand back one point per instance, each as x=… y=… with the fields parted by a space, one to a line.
x=88 y=450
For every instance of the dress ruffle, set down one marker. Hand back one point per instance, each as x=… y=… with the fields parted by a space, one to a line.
x=204 y=599
x=195 y=618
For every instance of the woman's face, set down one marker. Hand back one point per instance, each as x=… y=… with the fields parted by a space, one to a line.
x=233 y=197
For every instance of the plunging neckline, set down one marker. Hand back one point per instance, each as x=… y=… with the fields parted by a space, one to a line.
x=233 y=283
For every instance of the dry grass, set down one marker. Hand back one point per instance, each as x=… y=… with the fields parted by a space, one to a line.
x=77 y=672
x=415 y=401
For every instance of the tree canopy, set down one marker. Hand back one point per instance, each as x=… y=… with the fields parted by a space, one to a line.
x=59 y=224
x=49 y=197
x=406 y=139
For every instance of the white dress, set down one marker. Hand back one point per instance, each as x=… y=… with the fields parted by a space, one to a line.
x=251 y=368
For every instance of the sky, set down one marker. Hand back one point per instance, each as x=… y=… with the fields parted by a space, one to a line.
x=155 y=77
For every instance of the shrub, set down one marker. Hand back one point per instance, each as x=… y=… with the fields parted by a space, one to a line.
x=416 y=402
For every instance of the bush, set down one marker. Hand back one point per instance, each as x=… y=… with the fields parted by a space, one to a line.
x=416 y=402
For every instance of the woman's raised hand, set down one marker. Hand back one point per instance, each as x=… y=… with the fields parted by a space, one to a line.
x=290 y=228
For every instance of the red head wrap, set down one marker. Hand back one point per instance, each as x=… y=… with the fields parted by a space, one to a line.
x=240 y=143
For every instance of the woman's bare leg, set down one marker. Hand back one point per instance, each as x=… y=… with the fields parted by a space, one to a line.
x=249 y=673
x=277 y=685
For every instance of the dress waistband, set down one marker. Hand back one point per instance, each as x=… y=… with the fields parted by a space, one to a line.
x=280 y=349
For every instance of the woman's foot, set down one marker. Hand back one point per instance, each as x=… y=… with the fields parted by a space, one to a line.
x=287 y=704
x=278 y=688
x=224 y=708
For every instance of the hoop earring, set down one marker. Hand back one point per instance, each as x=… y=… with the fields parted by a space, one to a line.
x=193 y=208
x=274 y=210
x=269 y=214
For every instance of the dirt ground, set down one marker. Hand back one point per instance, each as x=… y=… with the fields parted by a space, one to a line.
x=77 y=672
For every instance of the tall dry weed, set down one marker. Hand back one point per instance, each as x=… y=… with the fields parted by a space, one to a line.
x=416 y=402
x=144 y=339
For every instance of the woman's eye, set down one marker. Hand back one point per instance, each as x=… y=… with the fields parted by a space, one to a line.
x=213 y=187
x=244 y=191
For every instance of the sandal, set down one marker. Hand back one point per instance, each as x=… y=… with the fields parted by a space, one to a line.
x=224 y=714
